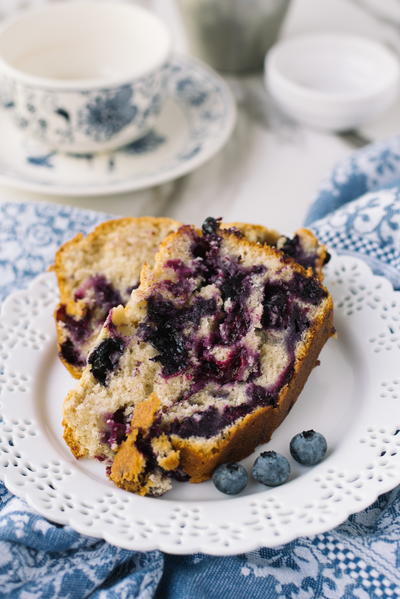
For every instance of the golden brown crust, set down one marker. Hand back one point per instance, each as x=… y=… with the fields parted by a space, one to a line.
x=129 y=463
x=255 y=233
x=69 y=438
x=58 y=266
x=167 y=457
x=128 y=470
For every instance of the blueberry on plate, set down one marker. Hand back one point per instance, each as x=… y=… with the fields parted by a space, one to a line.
x=308 y=448
x=230 y=478
x=271 y=469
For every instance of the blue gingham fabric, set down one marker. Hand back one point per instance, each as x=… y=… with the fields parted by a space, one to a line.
x=357 y=211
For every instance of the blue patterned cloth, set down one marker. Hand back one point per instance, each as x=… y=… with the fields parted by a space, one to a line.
x=357 y=211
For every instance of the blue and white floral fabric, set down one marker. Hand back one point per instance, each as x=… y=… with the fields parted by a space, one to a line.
x=357 y=210
x=358 y=560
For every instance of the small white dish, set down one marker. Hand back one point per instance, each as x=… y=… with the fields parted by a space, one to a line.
x=196 y=120
x=84 y=76
x=331 y=81
x=352 y=398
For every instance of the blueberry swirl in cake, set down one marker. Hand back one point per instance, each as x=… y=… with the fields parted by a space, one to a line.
x=98 y=272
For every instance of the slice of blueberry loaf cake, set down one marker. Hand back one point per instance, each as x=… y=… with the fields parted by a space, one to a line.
x=203 y=362
x=96 y=273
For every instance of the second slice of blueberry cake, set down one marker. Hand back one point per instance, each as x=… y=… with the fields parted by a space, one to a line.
x=98 y=272
x=202 y=364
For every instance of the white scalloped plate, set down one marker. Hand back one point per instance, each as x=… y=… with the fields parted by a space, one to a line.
x=353 y=398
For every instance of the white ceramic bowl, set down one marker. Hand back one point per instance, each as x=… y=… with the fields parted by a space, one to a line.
x=332 y=81
x=84 y=76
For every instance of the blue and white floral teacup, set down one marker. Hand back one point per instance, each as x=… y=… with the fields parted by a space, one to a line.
x=84 y=76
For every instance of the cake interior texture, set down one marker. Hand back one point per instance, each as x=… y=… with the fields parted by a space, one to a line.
x=98 y=272
x=203 y=362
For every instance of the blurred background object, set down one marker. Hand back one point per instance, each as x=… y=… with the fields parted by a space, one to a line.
x=233 y=35
x=84 y=76
x=332 y=81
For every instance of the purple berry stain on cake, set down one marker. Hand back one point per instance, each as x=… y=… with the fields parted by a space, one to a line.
x=234 y=368
x=77 y=330
x=116 y=428
x=70 y=354
x=293 y=247
x=281 y=309
x=212 y=420
x=183 y=285
x=100 y=292
x=275 y=307
x=99 y=297
x=307 y=289
x=307 y=257
x=165 y=330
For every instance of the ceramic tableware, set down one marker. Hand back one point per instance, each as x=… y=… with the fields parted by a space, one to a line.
x=84 y=76
x=332 y=81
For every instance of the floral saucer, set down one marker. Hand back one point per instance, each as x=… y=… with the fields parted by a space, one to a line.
x=196 y=121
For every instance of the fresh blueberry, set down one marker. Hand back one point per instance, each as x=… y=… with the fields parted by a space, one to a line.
x=308 y=447
x=230 y=478
x=210 y=225
x=271 y=469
